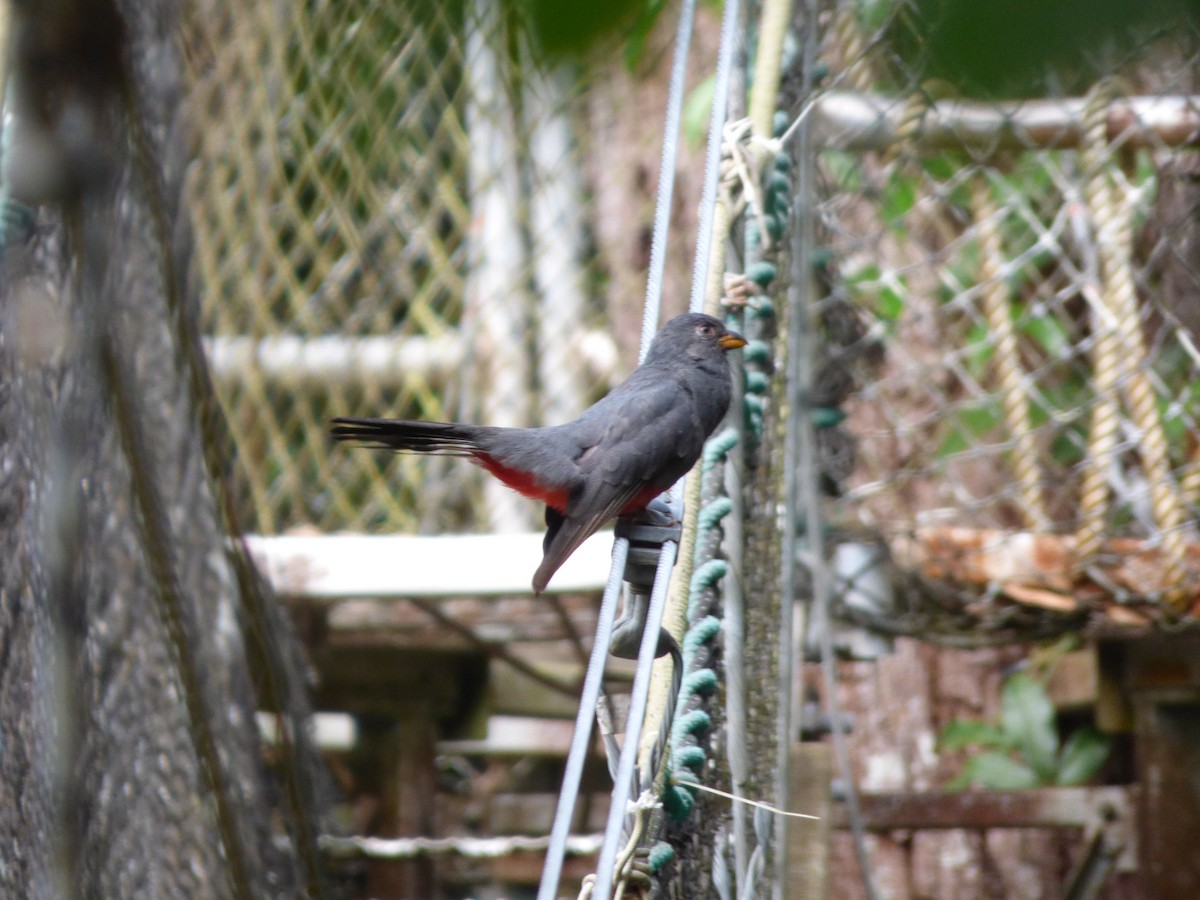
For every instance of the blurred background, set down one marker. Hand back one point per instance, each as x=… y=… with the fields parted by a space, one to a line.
x=443 y=211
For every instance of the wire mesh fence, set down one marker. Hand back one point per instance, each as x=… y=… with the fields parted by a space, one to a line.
x=398 y=213
x=389 y=208
x=1009 y=290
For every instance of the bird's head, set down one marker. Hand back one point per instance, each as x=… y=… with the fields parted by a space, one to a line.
x=695 y=336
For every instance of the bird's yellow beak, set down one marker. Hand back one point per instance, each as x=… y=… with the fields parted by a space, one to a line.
x=731 y=340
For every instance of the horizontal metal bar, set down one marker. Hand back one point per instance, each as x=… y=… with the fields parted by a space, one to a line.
x=384 y=358
x=858 y=121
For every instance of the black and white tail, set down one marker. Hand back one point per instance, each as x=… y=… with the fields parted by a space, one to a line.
x=444 y=438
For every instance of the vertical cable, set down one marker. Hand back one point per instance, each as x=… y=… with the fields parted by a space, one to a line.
x=712 y=156
x=581 y=740
x=633 y=723
x=666 y=178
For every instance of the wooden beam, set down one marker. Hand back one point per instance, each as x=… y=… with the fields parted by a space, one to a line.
x=1065 y=807
x=497 y=621
x=807 y=849
x=516 y=736
x=339 y=566
x=531 y=814
x=1074 y=679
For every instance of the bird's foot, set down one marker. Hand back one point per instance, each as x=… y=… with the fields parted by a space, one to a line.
x=657 y=513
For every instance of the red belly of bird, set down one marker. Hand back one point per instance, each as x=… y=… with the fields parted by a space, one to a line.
x=524 y=483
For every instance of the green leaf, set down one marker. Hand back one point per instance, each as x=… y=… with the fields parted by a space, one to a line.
x=1027 y=719
x=999 y=772
x=899 y=195
x=697 y=110
x=843 y=169
x=979 y=348
x=1050 y=334
x=868 y=273
x=979 y=420
x=962 y=733
x=873 y=14
x=959 y=782
x=889 y=304
x=639 y=32
x=966 y=426
x=1082 y=756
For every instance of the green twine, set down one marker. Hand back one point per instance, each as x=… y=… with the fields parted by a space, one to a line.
x=703 y=682
x=712 y=513
x=660 y=855
x=758 y=352
x=718 y=447
x=761 y=273
x=678 y=803
x=826 y=416
x=707 y=575
x=757 y=382
x=691 y=757
x=686 y=760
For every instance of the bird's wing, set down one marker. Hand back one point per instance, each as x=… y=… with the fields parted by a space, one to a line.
x=636 y=448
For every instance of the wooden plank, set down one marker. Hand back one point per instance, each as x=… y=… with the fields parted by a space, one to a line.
x=516 y=736
x=530 y=814
x=1065 y=807
x=514 y=693
x=1073 y=682
x=1162 y=677
x=811 y=769
x=399 y=623
x=338 y=566
x=376 y=359
x=1168 y=758
x=404 y=756
x=1042 y=569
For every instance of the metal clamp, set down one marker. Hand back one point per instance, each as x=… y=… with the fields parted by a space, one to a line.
x=645 y=548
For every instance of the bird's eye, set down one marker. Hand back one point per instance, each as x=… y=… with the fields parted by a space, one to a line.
x=705 y=329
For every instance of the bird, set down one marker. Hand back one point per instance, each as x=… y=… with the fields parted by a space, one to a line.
x=616 y=458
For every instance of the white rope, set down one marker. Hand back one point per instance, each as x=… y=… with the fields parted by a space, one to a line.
x=466 y=846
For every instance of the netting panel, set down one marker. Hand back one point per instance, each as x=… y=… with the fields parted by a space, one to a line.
x=972 y=263
x=398 y=181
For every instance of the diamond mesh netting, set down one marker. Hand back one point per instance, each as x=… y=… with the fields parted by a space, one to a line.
x=1010 y=291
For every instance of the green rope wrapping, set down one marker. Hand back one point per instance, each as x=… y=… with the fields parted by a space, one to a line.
x=660 y=854
x=687 y=756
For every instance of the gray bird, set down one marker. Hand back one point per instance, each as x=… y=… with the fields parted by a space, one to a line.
x=618 y=456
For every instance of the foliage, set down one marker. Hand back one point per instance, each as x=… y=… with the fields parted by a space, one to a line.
x=1023 y=750
x=1017 y=48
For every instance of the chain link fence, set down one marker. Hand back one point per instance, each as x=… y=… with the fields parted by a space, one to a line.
x=389 y=204
x=1009 y=302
